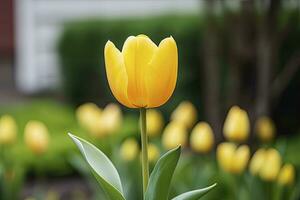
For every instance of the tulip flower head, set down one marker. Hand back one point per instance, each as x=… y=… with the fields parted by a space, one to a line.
x=257 y=161
x=129 y=149
x=36 y=137
x=237 y=126
x=242 y=155
x=155 y=122
x=143 y=75
x=174 y=135
x=89 y=117
x=286 y=175
x=225 y=154
x=271 y=167
x=265 y=129
x=8 y=130
x=153 y=153
x=202 y=138
x=231 y=158
x=111 y=118
x=185 y=113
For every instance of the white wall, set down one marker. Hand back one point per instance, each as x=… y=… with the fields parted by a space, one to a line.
x=39 y=24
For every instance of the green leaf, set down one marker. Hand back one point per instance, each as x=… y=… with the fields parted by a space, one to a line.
x=103 y=169
x=195 y=194
x=159 y=182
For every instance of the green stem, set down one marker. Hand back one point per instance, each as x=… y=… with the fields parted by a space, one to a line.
x=145 y=164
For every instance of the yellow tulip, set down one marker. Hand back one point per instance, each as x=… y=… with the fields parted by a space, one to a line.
x=89 y=117
x=36 y=137
x=237 y=126
x=155 y=122
x=153 y=153
x=225 y=154
x=111 y=118
x=8 y=130
x=257 y=161
x=202 y=138
x=286 y=175
x=265 y=129
x=271 y=167
x=129 y=149
x=241 y=159
x=174 y=135
x=231 y=158
x=185 y=113
x=143 y=75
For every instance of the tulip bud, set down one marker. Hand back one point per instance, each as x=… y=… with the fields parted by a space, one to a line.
x=257 y=161
x=231 y=158
x=202 y=138
x=225 y=154
x=36 y=137
x=271 y=166
x=129 y=149
x=241 y=159
x=237 y=125
x=287 y=175
x=8 y=130
x=185 y=113
x=153 y=153
x=89 y=117
x=155 y=122
x=174 y=135
x=265 y=129
x=111 y=118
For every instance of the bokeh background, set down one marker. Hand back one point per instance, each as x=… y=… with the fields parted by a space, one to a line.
x=244 y=53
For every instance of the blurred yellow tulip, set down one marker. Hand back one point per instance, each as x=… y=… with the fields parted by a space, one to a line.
x=202 y=138
x=155 y=122
x=271 y=167
x=231 y=158
x=257 y=161
x=185 y=113
x=36 y=137
x=89 y=117
x=97 y=121
x=225 y=154
x=241 y=159
x=175 y=134
x=287 y=175
x=111 y=118
x=153 y=153
x=265 y=129
x=143 y=75
x=8 y=130
x=129 y=149
x=237 y=126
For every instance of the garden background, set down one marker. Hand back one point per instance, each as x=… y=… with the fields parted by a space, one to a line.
x=244 y=53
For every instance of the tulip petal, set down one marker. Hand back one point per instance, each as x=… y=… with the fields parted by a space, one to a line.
x=162 y=73
x=137 y=52
x=116 y=73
